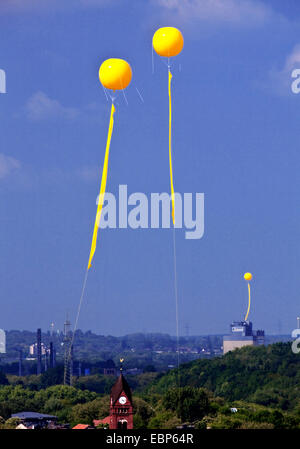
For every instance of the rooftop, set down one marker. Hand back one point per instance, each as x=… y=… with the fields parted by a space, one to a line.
x=32 y=415
x=82 y=426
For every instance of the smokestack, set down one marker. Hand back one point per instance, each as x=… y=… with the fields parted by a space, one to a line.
x=52 y=355
x=39 y=351
x=46 y=361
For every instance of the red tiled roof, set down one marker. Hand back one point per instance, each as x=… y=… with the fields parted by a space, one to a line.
x=106 y=420
x=81 y=426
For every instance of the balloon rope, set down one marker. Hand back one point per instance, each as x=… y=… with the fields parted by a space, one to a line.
x=249 y=302
x=102 y=188
x=97 y=222
x=174 y=239
x=170 y=145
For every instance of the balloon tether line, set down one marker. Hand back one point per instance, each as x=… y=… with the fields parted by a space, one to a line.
x=176 y=303
x=174 y=239
x=78 y=313
x=97 y=221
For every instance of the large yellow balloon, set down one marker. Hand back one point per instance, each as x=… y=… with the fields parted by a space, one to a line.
x=167 y=41
x=115 y=74
x=248 y=276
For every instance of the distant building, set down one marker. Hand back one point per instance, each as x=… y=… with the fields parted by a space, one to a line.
x=33 y=349
x=22 y=427
x=34 y=420
x=108 y=368
x=121 y=409
x=2 y=342
x=242 y=335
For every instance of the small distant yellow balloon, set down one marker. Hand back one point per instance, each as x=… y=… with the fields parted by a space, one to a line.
x=248 y=276
x=167 y=41
x=115 y=74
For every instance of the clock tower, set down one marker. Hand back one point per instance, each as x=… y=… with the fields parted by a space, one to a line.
x=121 y=410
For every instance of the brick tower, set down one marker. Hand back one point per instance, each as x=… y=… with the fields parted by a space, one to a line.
x=121 y=410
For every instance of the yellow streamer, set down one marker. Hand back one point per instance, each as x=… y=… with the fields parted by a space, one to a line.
x=248 y=302
x=103 y=187
x=170 y=148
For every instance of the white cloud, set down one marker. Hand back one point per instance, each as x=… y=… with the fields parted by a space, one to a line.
x=231 y=11
x=293 y=59
x=41 y=107
x=88 y=174
x=8 y=165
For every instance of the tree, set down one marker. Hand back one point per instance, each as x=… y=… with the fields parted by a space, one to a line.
x=142 y=411
x=200 y=424
x=158 y=421
x=138 y=423
x=53 y=376
x=189 y=403
x=11 y=423
x=86 y=413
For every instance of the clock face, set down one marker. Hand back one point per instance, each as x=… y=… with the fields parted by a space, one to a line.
x=122 y=400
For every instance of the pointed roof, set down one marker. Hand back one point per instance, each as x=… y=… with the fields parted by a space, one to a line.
x=120 y=385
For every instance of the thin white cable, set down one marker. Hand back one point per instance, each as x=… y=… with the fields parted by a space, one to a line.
x=104 y=90
x=176 y=301
x=78 y=313
x=140 y=95
x=152 y=60
x=177 y=320
x=125 y=98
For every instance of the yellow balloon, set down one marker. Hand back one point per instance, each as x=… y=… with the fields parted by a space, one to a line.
x=248 y=276
x=115 y=74
x=167 y=41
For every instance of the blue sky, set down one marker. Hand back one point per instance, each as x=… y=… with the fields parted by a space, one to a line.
x=236 y=138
